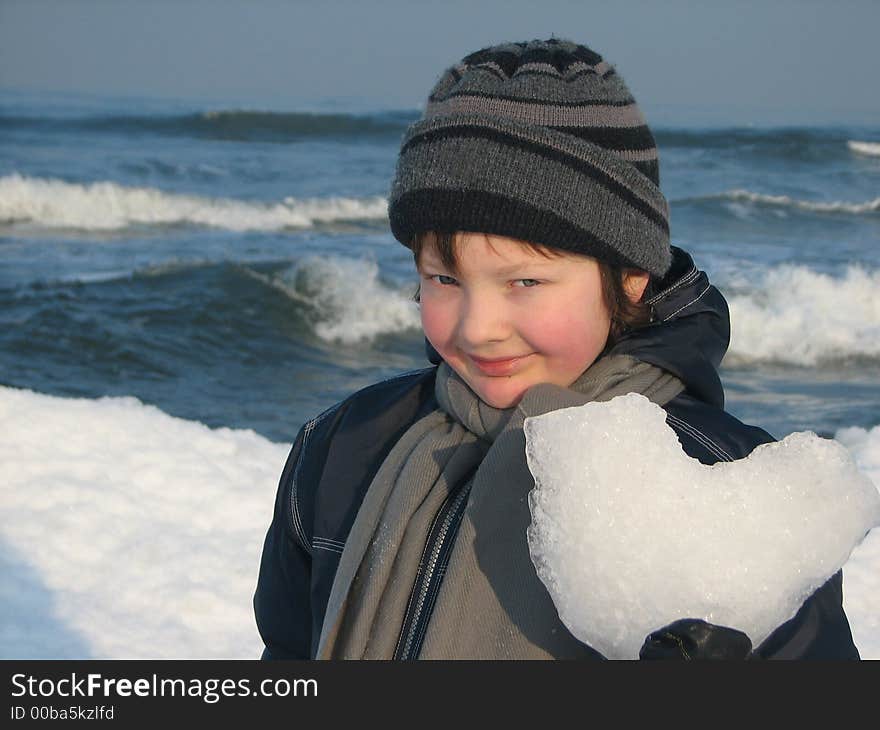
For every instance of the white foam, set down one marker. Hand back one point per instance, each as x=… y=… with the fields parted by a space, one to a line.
x=128 y=533
x=784 y=202
x=106 y=206
x=801 y=316
x=347 y=300
x=871 y=149
x=628 y=541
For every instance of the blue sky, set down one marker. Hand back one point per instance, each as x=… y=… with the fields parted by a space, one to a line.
x=716 y=61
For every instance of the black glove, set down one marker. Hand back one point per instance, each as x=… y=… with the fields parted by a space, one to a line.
x=691 y=638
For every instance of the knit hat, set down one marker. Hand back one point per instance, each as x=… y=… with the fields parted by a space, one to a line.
x=539 y=141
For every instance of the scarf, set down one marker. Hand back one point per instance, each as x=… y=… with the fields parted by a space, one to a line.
x=491 y=603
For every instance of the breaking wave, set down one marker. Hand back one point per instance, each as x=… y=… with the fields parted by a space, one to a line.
x=803 y=317
x=107 y=206
x=813 y=145
x=345 y=298
x=871 y=149
x=784 y=202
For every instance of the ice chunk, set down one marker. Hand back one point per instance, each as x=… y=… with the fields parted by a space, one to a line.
x=629 y=533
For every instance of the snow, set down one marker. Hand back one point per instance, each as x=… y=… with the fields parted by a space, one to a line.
x=628 y=541
x=127 y=533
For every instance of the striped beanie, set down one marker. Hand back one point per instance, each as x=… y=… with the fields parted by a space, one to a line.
x=539 y=141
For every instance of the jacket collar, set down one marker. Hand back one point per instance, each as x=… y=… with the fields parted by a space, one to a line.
x=690 y=331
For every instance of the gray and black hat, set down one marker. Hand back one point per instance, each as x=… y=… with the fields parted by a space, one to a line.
x=539 y=141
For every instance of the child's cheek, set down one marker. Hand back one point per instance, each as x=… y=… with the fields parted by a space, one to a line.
x=435 y=323
x=552 y=330
x=572 y=342
x=556 y=336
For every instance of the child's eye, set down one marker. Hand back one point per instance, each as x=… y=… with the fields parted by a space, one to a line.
x=526 y=282
x=443 y=279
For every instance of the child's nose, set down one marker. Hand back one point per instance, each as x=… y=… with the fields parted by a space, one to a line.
x=482 y=320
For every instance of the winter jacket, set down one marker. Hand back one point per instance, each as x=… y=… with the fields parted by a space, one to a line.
x=336 y=455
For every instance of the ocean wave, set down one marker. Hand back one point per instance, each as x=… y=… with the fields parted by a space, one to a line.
x=782 y=203
x=200 y=171
x=107 y=206
x=345 y=299
x=739 y=137
x=227 y=124
x=811 y=145
x=803 y=317
x=254 y=125
x=871 y=149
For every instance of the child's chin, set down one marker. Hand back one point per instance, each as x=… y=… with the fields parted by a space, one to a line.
x=500 y=400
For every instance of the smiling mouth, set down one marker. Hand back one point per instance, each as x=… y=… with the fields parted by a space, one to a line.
x=497 y=366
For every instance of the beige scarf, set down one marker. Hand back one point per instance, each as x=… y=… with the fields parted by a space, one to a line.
x=491 y=604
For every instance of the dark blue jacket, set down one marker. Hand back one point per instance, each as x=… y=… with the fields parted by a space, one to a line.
x=335 y=457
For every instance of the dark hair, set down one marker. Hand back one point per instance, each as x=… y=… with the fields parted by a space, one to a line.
x=625 y=313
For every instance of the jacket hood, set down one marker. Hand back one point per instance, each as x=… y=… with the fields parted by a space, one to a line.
x=688 y=336
x=690 y=331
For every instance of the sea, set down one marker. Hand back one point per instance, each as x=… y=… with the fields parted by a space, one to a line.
x=234 y=266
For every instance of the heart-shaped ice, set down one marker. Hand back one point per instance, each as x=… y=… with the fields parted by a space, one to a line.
x=629 y=533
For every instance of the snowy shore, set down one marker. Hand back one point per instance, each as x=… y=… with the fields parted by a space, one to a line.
x=127 y=533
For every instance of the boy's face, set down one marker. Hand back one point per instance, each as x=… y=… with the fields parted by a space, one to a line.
x=511 y=318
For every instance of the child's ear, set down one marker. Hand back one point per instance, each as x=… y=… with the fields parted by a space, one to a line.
x=635 y=282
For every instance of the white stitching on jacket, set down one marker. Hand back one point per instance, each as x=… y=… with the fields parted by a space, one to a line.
x=692 y=301
x=294 y=504
x=325 y=543
x=699 y=436
x=307 y=430
x=690 y=276
x=328 y=539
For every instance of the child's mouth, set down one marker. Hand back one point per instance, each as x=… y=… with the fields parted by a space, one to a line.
x=498 y=366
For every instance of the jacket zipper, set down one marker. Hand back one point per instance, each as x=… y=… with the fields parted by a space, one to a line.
x=432 y=567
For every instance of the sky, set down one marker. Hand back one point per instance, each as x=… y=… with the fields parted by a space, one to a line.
x=800 y=62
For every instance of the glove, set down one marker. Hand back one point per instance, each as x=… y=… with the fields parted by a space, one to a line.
x=691 y=638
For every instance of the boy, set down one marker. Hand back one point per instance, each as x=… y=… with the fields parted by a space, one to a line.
x=529 y=194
